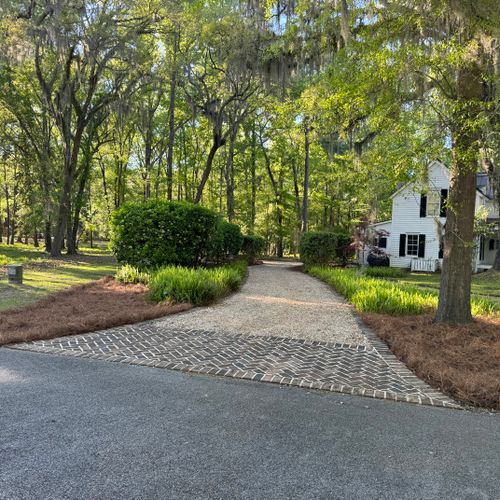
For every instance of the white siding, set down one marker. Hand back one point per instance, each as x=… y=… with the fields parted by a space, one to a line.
x=406 y=217
x=490 y=205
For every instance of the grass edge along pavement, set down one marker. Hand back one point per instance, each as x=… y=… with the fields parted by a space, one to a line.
x=461 y=362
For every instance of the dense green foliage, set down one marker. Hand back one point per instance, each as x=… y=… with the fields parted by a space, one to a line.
x=196 y=286
x=318 y=247
x=226 y=242
x=158 y=233
x=384 y=296
x=253 y=247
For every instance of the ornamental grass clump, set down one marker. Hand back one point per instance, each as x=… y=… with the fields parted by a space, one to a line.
x=198 y=286
x=131 y=274
x=392 y=300
x=369 y=294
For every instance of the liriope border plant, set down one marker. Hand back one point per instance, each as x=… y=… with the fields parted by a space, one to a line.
x=369 y=294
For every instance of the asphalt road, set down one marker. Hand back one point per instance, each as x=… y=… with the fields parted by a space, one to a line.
x=76 y=428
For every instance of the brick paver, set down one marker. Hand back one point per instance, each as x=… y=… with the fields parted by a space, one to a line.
x=367 y=370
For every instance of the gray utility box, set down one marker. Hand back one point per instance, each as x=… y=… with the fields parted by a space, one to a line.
x=15 y=273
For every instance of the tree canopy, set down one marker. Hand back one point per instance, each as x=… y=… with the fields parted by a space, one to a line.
x=282 y=116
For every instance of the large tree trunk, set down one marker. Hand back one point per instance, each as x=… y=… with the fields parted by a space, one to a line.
x=305 y=194
x=47 y=236
x=70 y=242
x=496 y=262
x=63 y=213
x=495 y=175
x=70 y=163
x=77 y=209
x=279 y=208
x=454 y=295
x=216 y=144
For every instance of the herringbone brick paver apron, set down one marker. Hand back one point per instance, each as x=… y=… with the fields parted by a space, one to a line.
x=348 y=358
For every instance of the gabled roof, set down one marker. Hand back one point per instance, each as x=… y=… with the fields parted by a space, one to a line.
x=483 y=184
x=403 y=185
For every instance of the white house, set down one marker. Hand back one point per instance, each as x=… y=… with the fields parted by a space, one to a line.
x=412 y=238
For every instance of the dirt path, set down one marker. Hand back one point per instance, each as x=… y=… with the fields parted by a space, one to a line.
x=278 y=300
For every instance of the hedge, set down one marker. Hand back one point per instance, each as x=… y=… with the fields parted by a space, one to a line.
x=318 y=247
x=158 y=233
x=226 y=242
x=253 y=247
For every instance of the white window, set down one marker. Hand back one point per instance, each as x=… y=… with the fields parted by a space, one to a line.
x=433 y=204
x=412 y=244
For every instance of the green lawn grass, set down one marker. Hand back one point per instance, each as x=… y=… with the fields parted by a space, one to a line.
x=43 y=275
x=484 y=285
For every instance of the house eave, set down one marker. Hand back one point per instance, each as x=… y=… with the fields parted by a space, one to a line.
x=406 y=184
x=380 y=223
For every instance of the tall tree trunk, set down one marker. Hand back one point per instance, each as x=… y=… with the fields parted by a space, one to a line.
x=229 y=174
x=7 y=202
x=296 y=191
x=277 y=198
x=305 y=194
x=279 y=214
x=63 y=213
x=171 y=119
x=70 y=243
x=47 y=235
x=77 y=208
x=496 y=262
x=454 y=295
x=216 y=144
x=495 y=177
x=70 y=163
x=253 y=180
x=45 y=158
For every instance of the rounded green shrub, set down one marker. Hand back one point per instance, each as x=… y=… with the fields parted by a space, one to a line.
x=318 y=247
x=345 y=247
x=158 y=233
x=253 y=247
x=226 y=242
x=232 y=237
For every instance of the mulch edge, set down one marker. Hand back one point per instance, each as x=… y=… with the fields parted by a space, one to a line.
x=157 y=311
x=383 y=346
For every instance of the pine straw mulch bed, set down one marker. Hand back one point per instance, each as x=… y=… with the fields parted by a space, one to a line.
x=81 y=309
x=461 y=361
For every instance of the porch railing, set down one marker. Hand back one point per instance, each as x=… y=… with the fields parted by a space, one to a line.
x=425 y=265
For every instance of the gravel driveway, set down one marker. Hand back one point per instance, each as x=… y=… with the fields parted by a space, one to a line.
x=277 y=300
